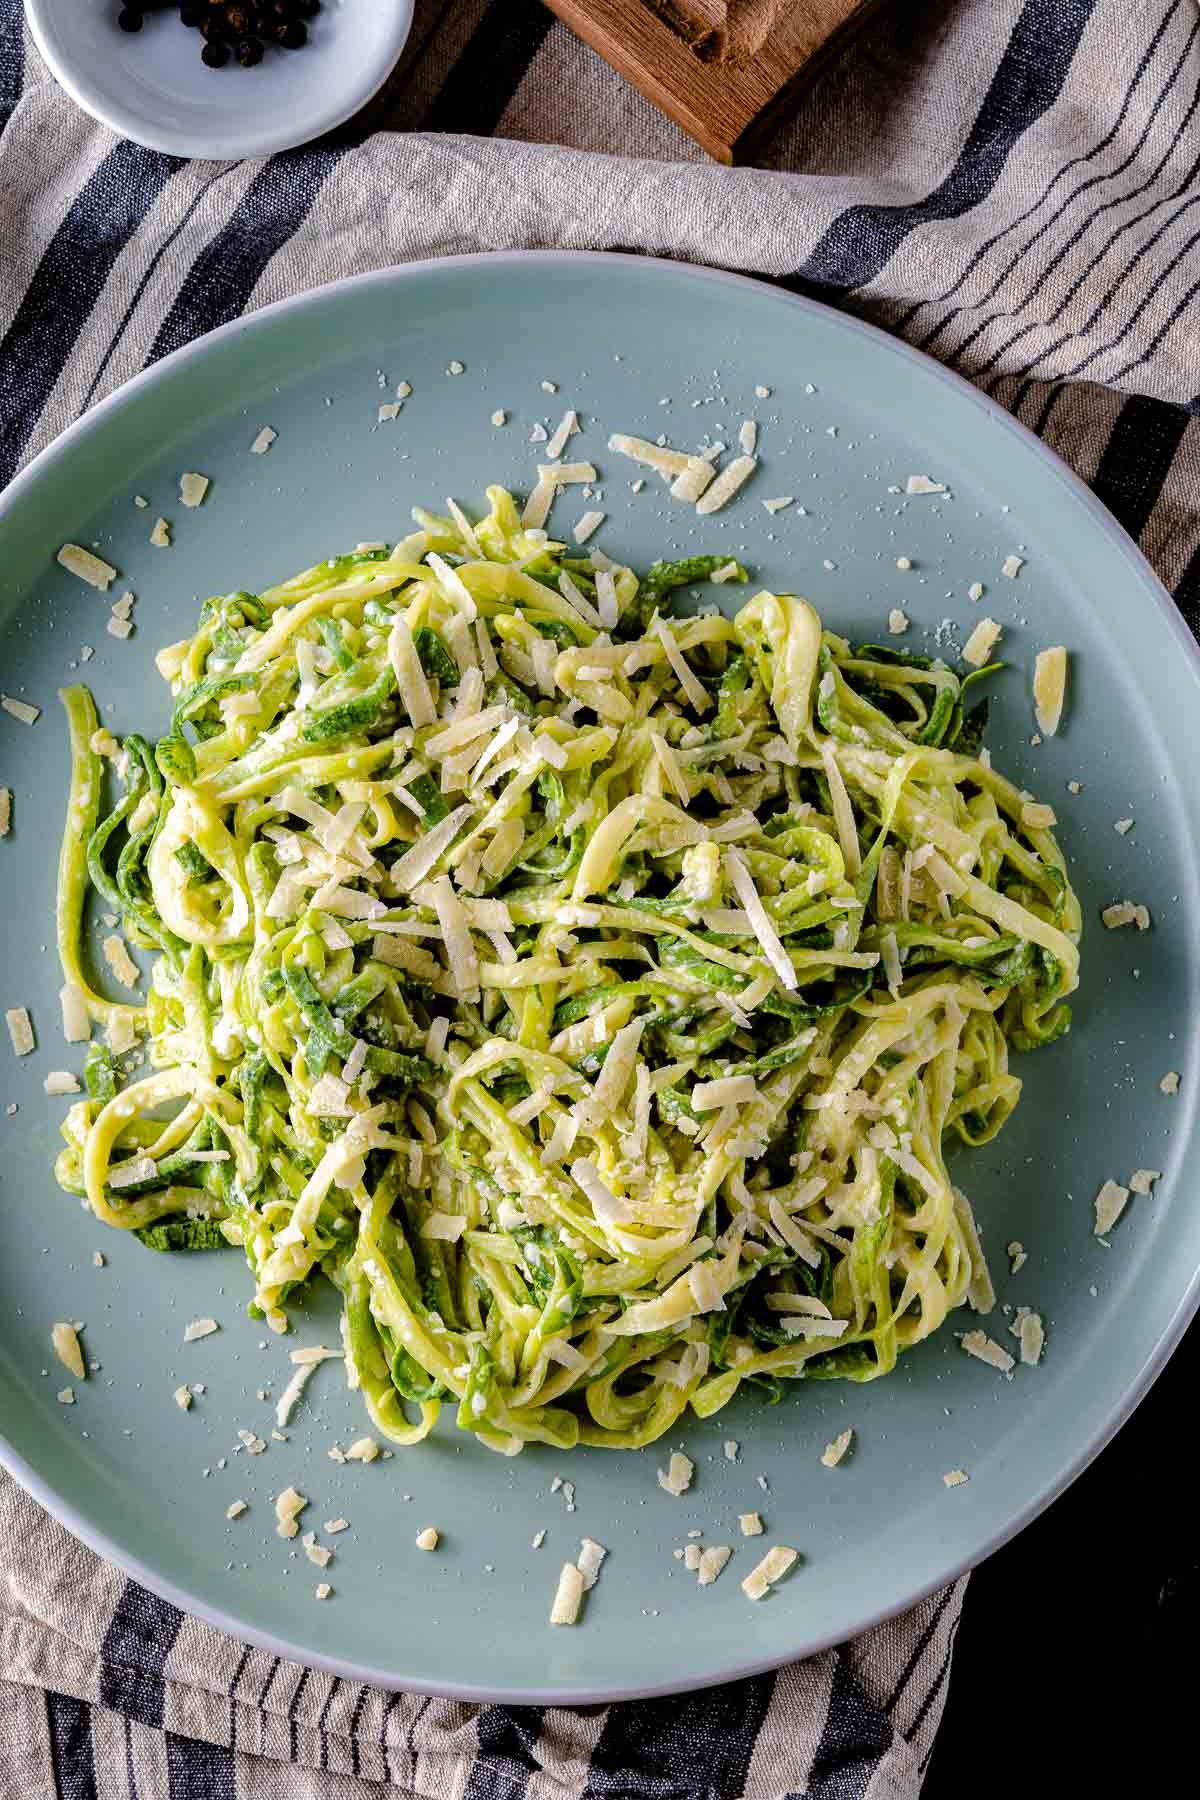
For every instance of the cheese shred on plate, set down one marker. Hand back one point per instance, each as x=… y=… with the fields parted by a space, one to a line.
x=506 y=923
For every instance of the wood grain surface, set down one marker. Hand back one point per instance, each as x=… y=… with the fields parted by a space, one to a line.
x=725 y=70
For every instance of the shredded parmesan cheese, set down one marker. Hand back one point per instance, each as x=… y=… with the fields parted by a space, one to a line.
x=21 y=710
x=92 y=569
x=983 y=640
x=1050 y=687
x=773 y=1567
x=199 y=1328
x=677 y=1478
x=65 y=1339
x=985 y=1349
x=733 y=477
x=263 y=441
x=568 y=1596
x=20 y=1030
x=833 y=1453
x=1109 y=1204
x=712 y=1561
x=955 y=1477
x=288 y=1507
x=160 y=537
x=192 y=488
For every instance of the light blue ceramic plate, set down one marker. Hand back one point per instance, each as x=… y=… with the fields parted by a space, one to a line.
x=645 y=347
x=151 y=85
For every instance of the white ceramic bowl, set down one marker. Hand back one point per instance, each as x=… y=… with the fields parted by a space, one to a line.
x=151 y=85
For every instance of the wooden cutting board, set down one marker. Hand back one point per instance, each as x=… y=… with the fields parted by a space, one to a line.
x=727 y=71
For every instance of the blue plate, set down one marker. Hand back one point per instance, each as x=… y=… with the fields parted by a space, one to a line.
x=644 y=347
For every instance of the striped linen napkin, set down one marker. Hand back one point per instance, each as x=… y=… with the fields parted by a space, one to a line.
x=1014 y=186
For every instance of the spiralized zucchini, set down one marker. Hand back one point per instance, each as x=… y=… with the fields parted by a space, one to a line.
x=590 y=993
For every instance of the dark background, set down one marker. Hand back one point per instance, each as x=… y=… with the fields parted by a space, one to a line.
x=1076 y=1664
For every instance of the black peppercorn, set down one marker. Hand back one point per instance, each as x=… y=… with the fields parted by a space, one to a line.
x=129 y=19
x=215 y=54
x=308 y=9
x=294 y=36
x=249 y=51
x=282 y=9
x=237 y=19
x=192 y=13
x=214 y=27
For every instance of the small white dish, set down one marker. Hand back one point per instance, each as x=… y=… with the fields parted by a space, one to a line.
x=151 y=85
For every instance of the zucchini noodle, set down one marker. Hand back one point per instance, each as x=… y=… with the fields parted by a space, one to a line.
x=589 y=991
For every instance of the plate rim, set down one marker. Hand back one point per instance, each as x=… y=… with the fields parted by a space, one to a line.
x=1172 y=1329
x=128 y=123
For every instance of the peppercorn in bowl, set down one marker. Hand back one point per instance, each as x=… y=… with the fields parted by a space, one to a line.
x=221 y=79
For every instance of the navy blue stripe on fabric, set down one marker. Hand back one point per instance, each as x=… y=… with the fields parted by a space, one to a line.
x=508 y=1738
x=856 y=1737
x=12 y=57
x=1075 y=163
x=1127 y=225
x=477 y=91
x=243 y=1659
x=136 y=1645
x=1028 y=80
x=322 y=1731
x=148 y=274
x=224 y=275
x=66 y=285
x=199 y=1771
x=70 y=1727
x=1136 y=459
x=364 y=1694
x=686 y=1747
x=918 y=1652
x=934 y=1689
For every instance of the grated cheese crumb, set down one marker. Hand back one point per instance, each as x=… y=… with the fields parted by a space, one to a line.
x=1109 y=1204
x=160 y=537
x=922 y=484
x=199 y=1328
x=21 y=710
x=263 y=441
x=183 y=1397
x=712 y=1561
x=677 y=1478
x=59 y=1082
x=591 y=1556
x=751 y=1524
x=499 y=417
x=1033 y=1337
x=1050 y=688
x=774 y=1565
x=1123 y=827
x=779 y=504
x=731 y=1449
x=1169 y=1083
x=236 y=1510
x=898 y=621
x=904 y=563
x=1126 y=912
x=833 y=1453
x=92 y=569
x=288 y=1507
x=1012 y=566
x=192 y=488
x=20 y=1030
x=587 y=526
x=568 y=1596
x=955 y=1477
x=65 y=1396
x=733 y=477
x=539 y=1538
x=985 y=1349
x=120 y=963
x=363 y=1450
x=982 y=641
x=322 y=1590
x=389 y=410
x=65 y=1339
x=320 y=1554
x=1019 y=1257
x=1037 y=817
x=975 y=591
x=1142 y=1180
x=5 y=811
